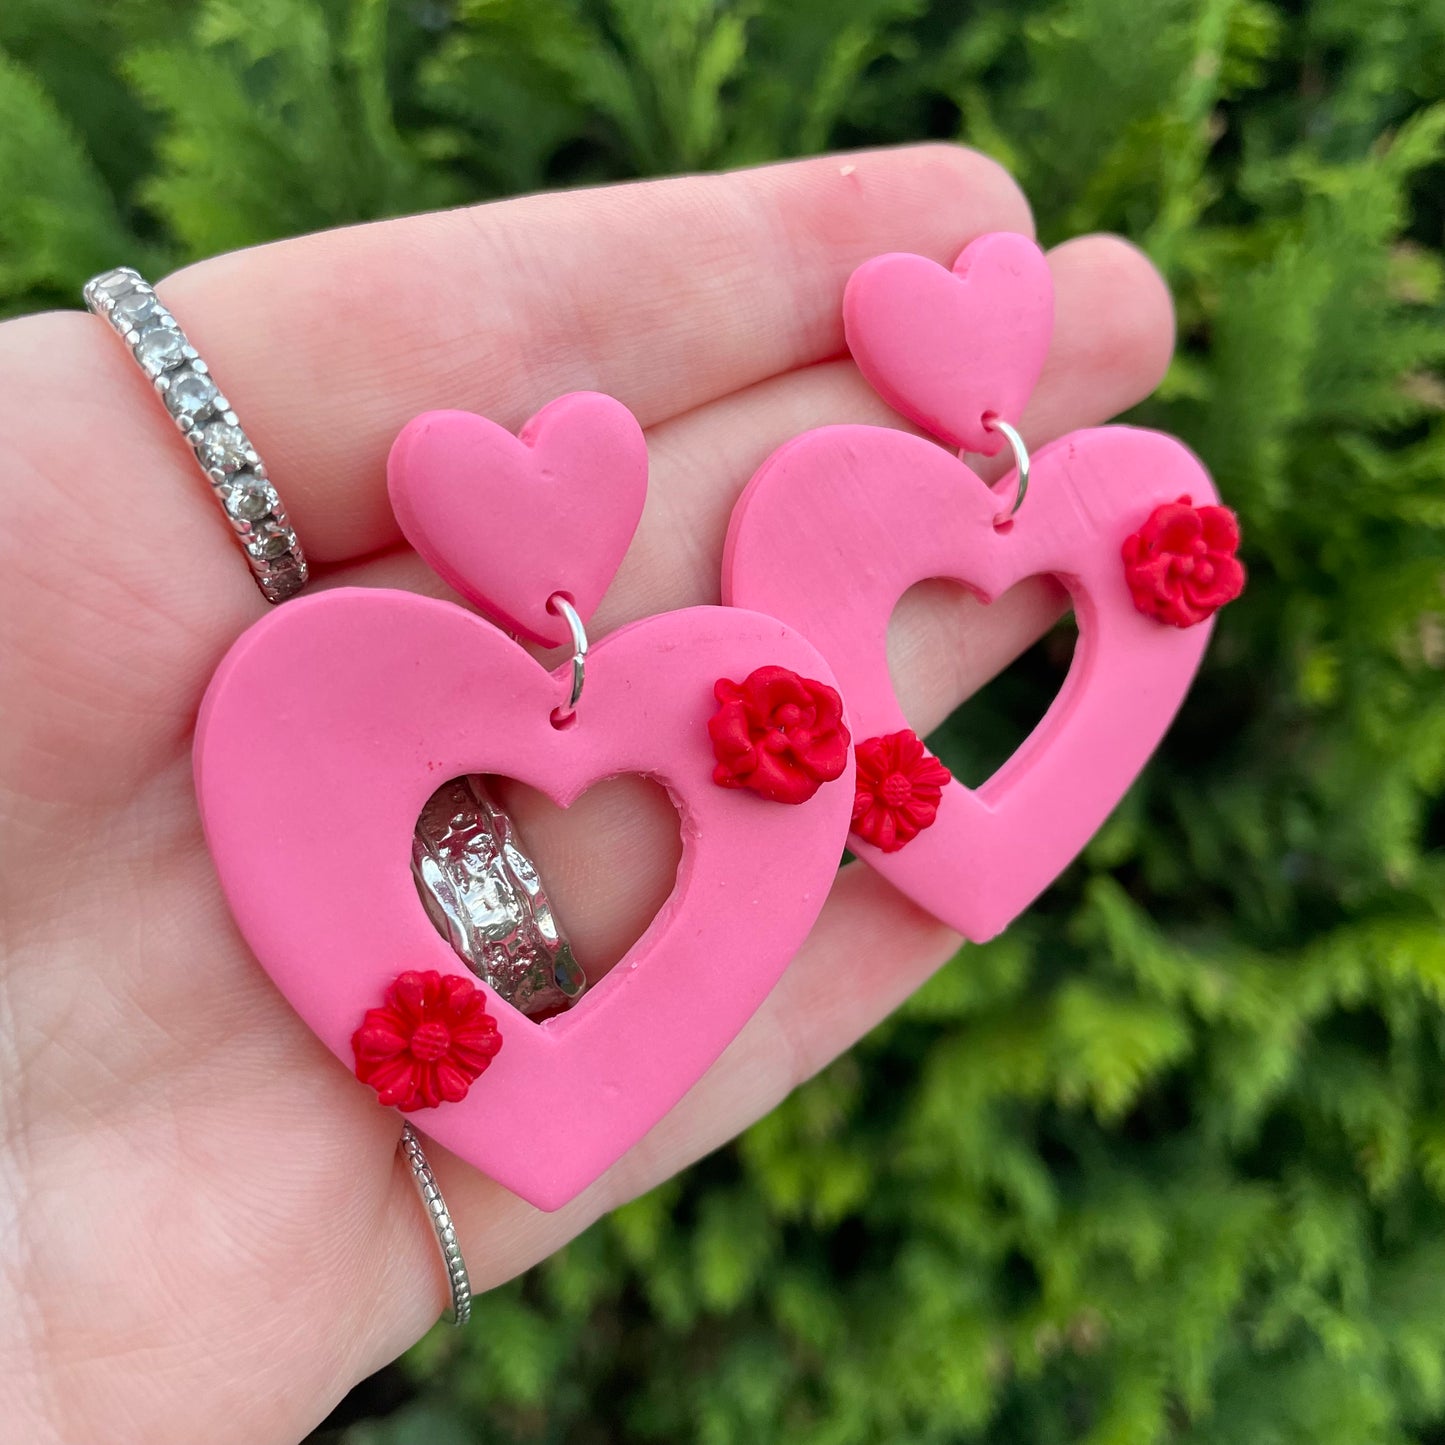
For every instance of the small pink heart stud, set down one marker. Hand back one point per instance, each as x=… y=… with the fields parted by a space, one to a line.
x=950 y=348
x=510 y=521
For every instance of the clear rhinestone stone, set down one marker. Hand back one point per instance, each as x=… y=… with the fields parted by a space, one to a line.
x=137 y=306
x=112 y=283
x=189 y=394
x=160 y=348
x=249 y=499
x=284 y=578
x=224 y=447
x=271 y=540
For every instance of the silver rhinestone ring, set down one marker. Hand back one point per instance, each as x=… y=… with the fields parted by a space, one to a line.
x=184 y=383
x=460 y=1310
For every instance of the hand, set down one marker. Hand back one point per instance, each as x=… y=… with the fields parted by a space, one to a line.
x=204 y=1230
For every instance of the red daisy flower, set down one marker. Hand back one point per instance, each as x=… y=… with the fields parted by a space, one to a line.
x=428 y=1043
x=900 y=784
x=1180 y=565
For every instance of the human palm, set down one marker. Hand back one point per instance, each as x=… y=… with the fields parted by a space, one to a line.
x=204 y=1230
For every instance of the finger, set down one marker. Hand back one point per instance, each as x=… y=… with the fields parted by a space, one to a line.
x=665 y=294
x=119 y=581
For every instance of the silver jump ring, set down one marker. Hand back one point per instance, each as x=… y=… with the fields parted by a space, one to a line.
x=237 y=475
x=558 y=604
x=1021 y=458
x=458 y=1282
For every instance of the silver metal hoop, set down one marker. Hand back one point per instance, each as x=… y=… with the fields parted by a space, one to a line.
x=225 y=454
x=1021 y=459
x=458 y=1282
x=559 y=605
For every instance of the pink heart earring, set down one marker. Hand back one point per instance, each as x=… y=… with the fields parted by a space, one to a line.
x=362 y=701
x=1126 y=519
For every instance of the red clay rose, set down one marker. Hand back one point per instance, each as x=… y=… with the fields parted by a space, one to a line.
x=428 y=1043
x=779 y=734
x=1180 y=565
x=900 y=784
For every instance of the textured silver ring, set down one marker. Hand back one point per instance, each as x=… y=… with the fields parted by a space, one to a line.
x=237 y=475
x=485 y=897
x=460 y=1309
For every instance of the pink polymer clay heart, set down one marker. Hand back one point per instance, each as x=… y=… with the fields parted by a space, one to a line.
x=510 y=521
x=952 y=349
x=356 y=704
x=840 y=522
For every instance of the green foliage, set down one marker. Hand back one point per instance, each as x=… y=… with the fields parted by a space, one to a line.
x=58 y=213
x=278 y=120
x=1167 y=1161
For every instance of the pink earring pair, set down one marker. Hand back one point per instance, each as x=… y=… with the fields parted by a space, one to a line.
x=771 y=720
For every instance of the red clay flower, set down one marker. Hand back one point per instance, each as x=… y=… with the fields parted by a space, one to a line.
x=428 y=1043
x=900 y=784
x=1180 y=565
x=779 y=734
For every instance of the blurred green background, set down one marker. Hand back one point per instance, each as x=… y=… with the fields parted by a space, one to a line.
x=1167 y=1161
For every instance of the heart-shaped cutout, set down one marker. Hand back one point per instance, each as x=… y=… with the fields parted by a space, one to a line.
x=602 y=909
x=979 y=737
x=352 y=706
x=903 y=510
x=951 y=350
x=511 y=521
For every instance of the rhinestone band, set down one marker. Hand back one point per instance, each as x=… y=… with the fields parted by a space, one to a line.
x=184 y=383
x=441 y=1221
